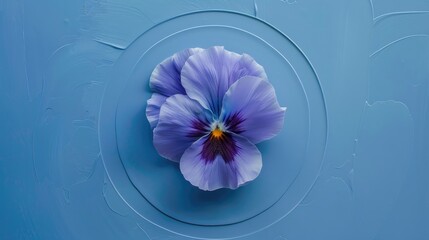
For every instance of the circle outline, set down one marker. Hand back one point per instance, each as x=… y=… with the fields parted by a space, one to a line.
x=306 y=144
x=323 y=103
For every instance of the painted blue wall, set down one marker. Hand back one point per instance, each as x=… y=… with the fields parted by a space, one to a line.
x=76 y=160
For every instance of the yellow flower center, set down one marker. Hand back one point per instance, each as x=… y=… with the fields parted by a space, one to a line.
x=217 y=133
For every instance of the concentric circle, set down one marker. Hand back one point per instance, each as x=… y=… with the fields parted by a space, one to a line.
x=161 y=182
x=154 y=188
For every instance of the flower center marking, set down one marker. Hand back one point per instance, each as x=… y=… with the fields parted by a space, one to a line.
x=217 y=133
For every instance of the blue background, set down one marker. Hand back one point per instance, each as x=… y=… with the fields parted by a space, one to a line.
x=76 y=160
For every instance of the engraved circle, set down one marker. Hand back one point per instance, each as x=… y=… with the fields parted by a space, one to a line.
x=122 y=107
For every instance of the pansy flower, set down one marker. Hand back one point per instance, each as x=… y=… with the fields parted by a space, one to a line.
x=208 y=110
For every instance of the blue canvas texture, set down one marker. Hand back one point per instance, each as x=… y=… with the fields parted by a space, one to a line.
x=76 y=153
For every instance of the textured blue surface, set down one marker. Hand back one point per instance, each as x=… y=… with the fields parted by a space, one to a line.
x=76 y=156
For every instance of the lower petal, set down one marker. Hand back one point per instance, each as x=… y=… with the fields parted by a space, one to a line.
x=250 y=108
x=153 y=106
x=219 y=173
x=181 y=122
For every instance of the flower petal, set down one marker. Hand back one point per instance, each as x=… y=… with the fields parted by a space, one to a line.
x=207 y=75
x=165 y=78
x=165 y=82
x=153 y=106
x=181 y=122
x=212 y=174
x=250 y=108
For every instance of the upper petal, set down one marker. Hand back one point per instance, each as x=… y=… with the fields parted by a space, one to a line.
x=250 y=107
x=165 y=78
x=207 y=75
x=212 y=174
x=165 y=82
x=181 y=122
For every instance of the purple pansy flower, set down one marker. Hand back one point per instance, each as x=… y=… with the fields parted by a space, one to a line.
x=208 y=110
